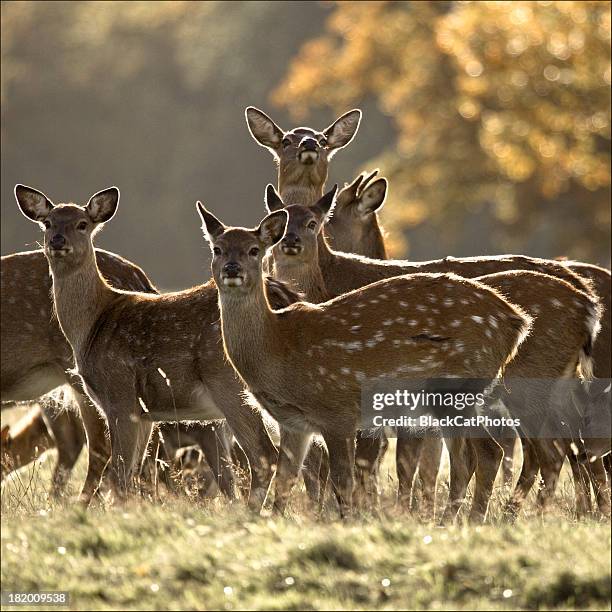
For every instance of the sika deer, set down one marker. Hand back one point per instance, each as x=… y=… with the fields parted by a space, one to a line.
x=36 y=358
x=301 y=182
x=302 y=154
x=281 y=356
x=136 y=352
x=355 y=228
x=566 y=315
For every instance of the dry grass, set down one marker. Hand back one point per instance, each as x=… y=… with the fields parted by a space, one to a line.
x=186 y=554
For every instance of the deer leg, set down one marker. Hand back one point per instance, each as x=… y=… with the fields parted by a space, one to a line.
x=241 y=464
x=98 y=445
x=507 y=445
x=248 y=427
x=582 y=488
x=407 y=453
x=601 y=485
x=370 y=449
x=462 y=465
x=67 y=429
x=550 y=456
x=342 y=463
x=429 y=465
x=215 y=446
x=489 y=455
x=293 y=448
x=526 y=479
x=315 y=472
x=129 y=436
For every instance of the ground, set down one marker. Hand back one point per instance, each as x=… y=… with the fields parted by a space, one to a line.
x=184 y=554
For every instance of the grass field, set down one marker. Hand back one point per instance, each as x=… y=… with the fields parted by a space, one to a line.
x=182 y=554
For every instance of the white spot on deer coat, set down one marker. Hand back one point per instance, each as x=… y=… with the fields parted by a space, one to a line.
x=477 y=318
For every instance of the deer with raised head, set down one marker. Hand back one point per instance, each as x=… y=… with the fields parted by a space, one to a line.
x=355 y=228
x=286 y=357
x=566 y=319
x=301 y=181
x=142 y=357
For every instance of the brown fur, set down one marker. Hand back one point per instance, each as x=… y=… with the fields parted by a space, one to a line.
x=539 y=303
x=565 y=318
x=303 y=361
x=135 y=349
x=36 y=357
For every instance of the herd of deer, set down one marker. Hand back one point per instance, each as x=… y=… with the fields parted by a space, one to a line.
x=300 y=312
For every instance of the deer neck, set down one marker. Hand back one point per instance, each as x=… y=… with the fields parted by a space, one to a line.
x=373 y=243
x=303 y=277
x=80 y=296
x=250 y=333
x=306 y=194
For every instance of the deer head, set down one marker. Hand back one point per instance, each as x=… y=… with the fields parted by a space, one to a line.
x=354 y=228
x=300 y=242
x=68 y=228
x=237 y=253
x=303 y=154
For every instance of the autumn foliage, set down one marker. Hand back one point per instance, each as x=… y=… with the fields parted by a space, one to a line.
x=500 y=104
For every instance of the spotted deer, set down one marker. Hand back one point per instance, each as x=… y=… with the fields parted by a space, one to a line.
x=566 y=320
x=285 y=360
x=142 y=357
x=355 y=228
x=302 y=181
x=36 y=358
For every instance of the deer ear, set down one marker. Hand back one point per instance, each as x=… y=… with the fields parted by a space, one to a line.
x=373 y=197
x=349 y=192
x=263 y=129
x=326 y=204
x=272 y=228
x=103 y=205
x=342 y=130
x=210 y=224
x=273 y=199
x=34 y=204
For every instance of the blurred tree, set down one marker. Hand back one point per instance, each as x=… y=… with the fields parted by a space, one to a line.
x=504 y=104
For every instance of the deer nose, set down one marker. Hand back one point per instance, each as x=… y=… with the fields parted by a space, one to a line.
x=308 y=144
x=232 y=269
x=308 y=151
x=57 y=242
x=291 y=244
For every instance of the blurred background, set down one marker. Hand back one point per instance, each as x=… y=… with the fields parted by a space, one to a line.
x=491 y=120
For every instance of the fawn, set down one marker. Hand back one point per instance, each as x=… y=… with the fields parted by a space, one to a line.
x=355 y=228
x=36 y=358
x=142 y=357
x=283 y=359
x=565 y=327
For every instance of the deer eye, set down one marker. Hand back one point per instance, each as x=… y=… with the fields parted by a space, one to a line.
x=323 y=141
x=286 y=142
x=254 y=252
x=47 y=223
x=82 y=225
x=216 y=250
x=312 y=225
